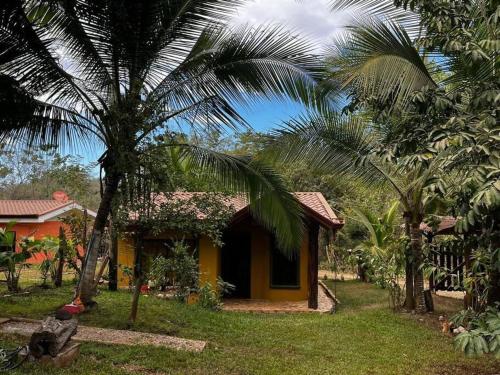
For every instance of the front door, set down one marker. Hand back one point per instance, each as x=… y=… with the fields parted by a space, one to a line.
x=235 y=263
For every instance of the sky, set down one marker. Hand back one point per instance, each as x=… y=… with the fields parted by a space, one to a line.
x=310 y=18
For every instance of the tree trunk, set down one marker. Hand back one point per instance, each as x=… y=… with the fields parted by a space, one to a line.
x=469 y=294
x=139 y=276
x=85 y=287
x=410 y=298
x=313 y=266
x=113 y=257
x=494 y=273
x=416 y=245
x=51 y=336
x=61 y=254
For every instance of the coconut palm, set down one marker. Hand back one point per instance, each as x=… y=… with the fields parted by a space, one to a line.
x=379 y=61
x=348 y=145
x=114 y=73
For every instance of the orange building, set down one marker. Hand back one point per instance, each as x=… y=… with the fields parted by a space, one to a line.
x=37 y=218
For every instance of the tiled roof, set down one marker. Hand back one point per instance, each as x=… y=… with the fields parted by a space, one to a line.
x=314 y=202
x=446 y=226
x=30 y=208
x=317 y=203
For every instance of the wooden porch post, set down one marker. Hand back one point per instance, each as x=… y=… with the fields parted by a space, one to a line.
x=313 y=265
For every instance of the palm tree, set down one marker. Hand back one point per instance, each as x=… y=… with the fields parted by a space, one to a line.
x=117 y=72
x=383 y=249
x=348 y=145
x=380 y=230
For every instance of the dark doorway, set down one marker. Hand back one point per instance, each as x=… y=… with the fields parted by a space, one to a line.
x=235 y=263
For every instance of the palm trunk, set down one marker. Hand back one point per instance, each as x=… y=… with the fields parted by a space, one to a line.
x=410 y=298
x=86 y=285
x=416 y=245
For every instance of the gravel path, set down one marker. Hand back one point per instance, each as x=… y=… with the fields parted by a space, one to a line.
x=110 y=336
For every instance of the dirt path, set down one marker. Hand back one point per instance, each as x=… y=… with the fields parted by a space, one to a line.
x=25 y=327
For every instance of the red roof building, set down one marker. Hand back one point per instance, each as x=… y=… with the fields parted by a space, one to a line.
x=38 y=218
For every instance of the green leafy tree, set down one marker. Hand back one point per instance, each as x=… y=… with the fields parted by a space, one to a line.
x=130 y=69
x=458 y=111
x=37 y=173
x=348 y=145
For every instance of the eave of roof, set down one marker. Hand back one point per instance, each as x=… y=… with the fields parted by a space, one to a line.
x=36 y=211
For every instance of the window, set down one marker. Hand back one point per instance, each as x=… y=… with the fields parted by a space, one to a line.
x=284 y=270
x=10 y=242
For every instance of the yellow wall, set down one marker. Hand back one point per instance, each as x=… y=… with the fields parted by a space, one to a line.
x=126 y=258
x=261 y=271
x=209 y=263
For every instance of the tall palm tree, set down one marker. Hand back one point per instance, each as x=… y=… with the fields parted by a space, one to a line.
x=116 y=72
x=348 y=145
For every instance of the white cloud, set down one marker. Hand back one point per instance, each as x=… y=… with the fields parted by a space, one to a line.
x=312 y=18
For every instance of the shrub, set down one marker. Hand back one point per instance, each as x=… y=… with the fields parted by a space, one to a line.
x=13 y=262
x=210 y=298
x=179 y=270
x=482 y=333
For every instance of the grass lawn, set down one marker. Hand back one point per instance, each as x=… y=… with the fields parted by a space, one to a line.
x=363 y=337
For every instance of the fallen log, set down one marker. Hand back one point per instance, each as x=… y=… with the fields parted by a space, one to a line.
x=51 y=336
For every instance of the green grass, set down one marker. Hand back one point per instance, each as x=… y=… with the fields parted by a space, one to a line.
x=364 y=337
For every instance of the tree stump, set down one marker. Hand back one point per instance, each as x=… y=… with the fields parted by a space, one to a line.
x=51 y=336
x=429 y=303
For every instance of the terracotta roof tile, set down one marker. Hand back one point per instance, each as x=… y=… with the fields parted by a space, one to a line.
x=314 y=201
x=446 y=226
x=29 y=208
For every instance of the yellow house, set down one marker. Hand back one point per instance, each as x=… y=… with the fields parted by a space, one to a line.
x=249 y=259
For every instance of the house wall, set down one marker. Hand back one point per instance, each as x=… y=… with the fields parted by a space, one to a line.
x=38 y=231
x=261 y=270
x=209 y=265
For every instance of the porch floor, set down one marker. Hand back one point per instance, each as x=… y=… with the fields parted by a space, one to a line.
x=325 y=304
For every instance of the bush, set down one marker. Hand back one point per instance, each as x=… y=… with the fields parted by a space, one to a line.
x=210 y=298
x=179 y=270
x=482 y=333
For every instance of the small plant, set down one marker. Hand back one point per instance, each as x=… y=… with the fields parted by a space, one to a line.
x=12 y=262
x=210 y=298
x=158 y=271
x=482 y=333
x=184 y=270
x=128 y=272
x=180 y=270
x=48 y=246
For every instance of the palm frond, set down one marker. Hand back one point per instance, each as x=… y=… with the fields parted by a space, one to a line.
x=333 y=143
x=385 y=10
x=270 y=202
x=47 y=124
x=245 y=65
x=31 y=59
x=379 y=60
